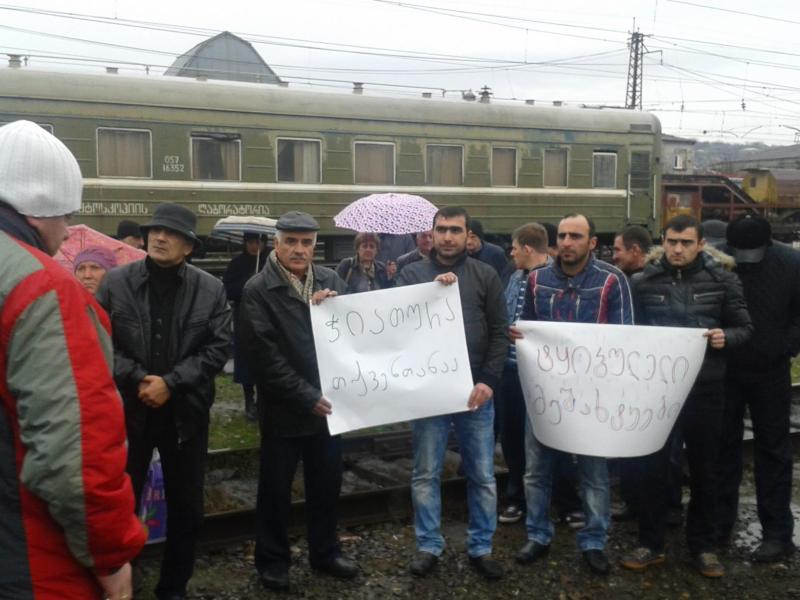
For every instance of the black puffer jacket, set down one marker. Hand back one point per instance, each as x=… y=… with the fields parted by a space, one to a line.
x=275 y=329
x=703 y=294
x=197 y=350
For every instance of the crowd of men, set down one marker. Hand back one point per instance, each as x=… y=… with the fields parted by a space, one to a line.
x=83 y=373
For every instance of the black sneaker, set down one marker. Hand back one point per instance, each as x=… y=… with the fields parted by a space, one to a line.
x=487 y=567
x=597 y=561
x=531 y=551
x=771 y=551
x=275 y=579
x=512 y=514
x=423 y=563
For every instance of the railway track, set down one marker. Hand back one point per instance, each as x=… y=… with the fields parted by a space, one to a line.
x=390 y=501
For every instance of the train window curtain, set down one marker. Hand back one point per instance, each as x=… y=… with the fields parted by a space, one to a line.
x=445 y=165
x=374 y=163
x=604 y=170
x=504 y=167
x=123 y=153
x=298 y=161
x=214 y=159
x=555 y=167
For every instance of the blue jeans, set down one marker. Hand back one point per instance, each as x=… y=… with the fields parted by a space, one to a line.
x=475 y=434
x=593 y=474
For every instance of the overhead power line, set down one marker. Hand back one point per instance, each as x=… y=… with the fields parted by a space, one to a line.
x=735 y=12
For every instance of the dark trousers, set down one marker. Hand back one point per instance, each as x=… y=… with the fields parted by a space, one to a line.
x=322 y=472
x=629 y=475
x=512 y=440
x=768 y=397
x=183 y=464
x=700 y=422
x=512 y=433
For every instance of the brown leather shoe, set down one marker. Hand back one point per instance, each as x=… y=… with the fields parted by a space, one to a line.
x=708 y=565
x=641 y=558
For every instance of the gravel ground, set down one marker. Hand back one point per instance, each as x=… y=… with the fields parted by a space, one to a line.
x=383 y=552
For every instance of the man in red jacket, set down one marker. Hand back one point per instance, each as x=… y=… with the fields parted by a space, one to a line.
x=67 y=520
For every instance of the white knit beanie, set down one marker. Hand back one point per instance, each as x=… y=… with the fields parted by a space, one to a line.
x=39 y=177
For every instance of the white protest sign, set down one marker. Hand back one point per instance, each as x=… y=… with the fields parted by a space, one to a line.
x=606 y=390
x=392 y=355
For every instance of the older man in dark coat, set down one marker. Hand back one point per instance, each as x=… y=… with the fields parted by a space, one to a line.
x=276 y=331
x=171 y=332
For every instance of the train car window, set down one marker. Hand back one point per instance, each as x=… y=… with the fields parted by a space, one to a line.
x=298 y=161
x=504 y=167
x=555 y=167
x=445 y=165
x=604 y=170
x=640 y=170
x=216 y=157
x=47 y=127
x=124 y=152
x=374 y=163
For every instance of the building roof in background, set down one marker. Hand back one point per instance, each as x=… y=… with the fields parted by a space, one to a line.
x=224 y=56
x=777 y=152
x=674 y=139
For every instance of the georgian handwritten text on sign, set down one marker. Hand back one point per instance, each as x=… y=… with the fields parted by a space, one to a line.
x=392 y=355
x=606 y=390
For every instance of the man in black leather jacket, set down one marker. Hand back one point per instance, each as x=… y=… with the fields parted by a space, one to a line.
x=684 y=286
x=171 y=331
x=278 y=339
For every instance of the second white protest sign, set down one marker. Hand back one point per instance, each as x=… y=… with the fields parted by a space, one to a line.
x=606 y=390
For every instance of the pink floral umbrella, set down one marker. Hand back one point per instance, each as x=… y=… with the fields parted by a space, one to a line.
x=82 y=236
x=387 y=213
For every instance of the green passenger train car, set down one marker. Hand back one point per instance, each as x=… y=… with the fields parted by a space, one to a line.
x=224 y=148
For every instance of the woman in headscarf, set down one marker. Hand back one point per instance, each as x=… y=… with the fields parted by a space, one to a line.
x=91 y=265
x=362 y=272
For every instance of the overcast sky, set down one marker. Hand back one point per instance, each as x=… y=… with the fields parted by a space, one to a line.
x=706 y=59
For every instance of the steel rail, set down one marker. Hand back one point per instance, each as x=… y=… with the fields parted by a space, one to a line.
x=392 y=503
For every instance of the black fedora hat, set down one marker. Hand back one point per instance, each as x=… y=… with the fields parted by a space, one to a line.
x=175 y=217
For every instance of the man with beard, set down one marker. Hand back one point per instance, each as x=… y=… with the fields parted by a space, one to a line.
x=575 y=288
x=485 y=327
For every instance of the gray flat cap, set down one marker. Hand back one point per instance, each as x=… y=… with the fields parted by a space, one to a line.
x=296 y=221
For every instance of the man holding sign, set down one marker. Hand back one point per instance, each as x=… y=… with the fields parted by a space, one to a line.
x=276 y=331
x=485 y=326
x=683 y=286
x=575 y=288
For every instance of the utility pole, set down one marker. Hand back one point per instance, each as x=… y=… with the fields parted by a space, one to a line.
x=633 y=95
